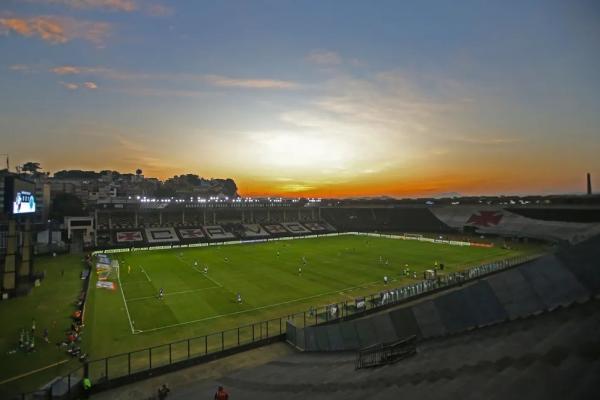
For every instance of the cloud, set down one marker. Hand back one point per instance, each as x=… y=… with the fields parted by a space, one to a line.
x=145 y=92
x=69 y=85
x=324 y=57
x=20 y=68
x=115 y=5
x=224 y=81
x=75 y=86
x=57 y=30
x=152 y=9
x=215 y=80
x=158 y=10
x=74 y=70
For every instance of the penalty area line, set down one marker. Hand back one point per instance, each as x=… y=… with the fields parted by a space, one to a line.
x=174 y=293
x=147 y=277
x=197 y=270
x=256 y=308
x=207 y=277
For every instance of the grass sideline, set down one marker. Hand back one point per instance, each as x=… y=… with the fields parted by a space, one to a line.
x=51 y=304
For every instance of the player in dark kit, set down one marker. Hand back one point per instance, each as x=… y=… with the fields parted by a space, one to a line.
x=160 y=293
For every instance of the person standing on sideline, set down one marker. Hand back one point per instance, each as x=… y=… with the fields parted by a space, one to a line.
x=221 y=394
x=33 y=327
x=163 y=391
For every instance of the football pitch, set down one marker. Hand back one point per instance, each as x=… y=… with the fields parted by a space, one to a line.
x=200 y=285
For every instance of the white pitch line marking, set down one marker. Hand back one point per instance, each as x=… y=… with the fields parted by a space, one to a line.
x=147 y=277
x=202 y=272
x=174 y=293
x=257 y=308
x=208 y=277
x=125 y=301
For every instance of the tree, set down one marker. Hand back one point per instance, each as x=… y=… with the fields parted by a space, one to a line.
x=31 y=167
x=229 y=187
x=138 y=172
x=66 y=205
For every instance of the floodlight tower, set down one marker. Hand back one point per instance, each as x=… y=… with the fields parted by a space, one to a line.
x=589 y=184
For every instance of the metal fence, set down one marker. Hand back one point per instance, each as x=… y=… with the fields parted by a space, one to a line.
x=185 y=352
x=386 y=353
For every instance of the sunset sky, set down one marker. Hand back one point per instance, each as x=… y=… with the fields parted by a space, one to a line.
x=308 y=97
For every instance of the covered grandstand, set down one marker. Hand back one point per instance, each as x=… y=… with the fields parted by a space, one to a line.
x=253 y=221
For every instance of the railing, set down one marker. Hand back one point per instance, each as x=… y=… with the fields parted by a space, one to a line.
x=386 y=353
x=132 y=365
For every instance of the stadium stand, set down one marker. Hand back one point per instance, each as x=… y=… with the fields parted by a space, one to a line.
x=295 y=228
x=585 y=215
x=193 y=217
x=410 y=219
x=129 y=238
x=260 y=216
x=171 y=219
x=276 y=216
x=275 y=229
x=217 y=232
x=161 y=235
x=553 y=355
x=253 y=231
x=191 y=234
x=122 y=221
x=306 y=215
x=498 y=221
x=102 y=222
x=148 y=219
x=227 y=216
x=318 y=227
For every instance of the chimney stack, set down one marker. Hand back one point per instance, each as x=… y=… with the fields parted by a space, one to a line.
x=589 y=184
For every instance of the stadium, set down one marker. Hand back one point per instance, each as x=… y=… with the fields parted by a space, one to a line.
x=175 y=285
x=299 y=199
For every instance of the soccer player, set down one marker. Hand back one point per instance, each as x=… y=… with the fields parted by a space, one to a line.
x=196 y=264
x=129 y=269
x=239 y=298
x=226 y=259
x=299 y=270
x=385 y=279
x=160 y=293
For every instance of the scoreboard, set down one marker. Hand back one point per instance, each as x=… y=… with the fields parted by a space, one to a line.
x=19 y=196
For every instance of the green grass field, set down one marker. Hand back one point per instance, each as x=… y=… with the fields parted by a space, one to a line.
x=195 y=303
x=266 y=275
x=51 y=306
